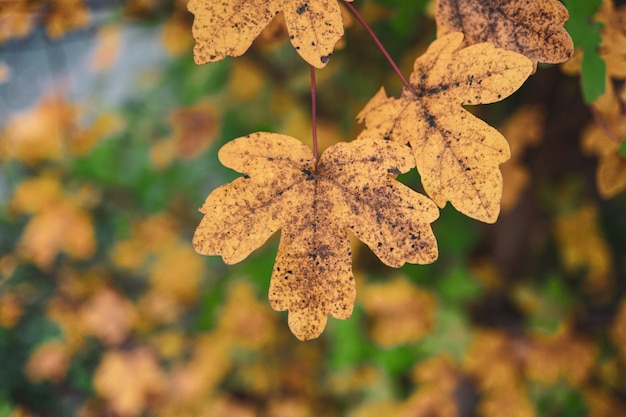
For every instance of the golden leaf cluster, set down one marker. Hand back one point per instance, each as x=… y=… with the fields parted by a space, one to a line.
x=352 y=186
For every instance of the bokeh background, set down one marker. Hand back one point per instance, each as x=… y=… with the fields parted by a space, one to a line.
x=108 y=142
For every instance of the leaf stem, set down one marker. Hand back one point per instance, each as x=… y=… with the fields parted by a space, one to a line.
x=369 y=30
x=314 y=116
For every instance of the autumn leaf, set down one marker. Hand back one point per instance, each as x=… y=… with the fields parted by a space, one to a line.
x=129 y=380
x=408 y=318
x=523 y=129
x=457 y=155
x=48 y=362
x=613 y=46
x=563 y=355
x=531 y=28
x=591 y=253
x=228 y=27
x=60 y=222
x=66 y=15
x=16 y=20
x=352 y=187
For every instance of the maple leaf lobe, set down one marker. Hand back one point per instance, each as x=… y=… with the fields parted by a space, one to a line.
x=228 y=27
x=532 y=28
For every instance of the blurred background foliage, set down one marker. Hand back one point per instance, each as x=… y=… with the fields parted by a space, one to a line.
x=108 y=141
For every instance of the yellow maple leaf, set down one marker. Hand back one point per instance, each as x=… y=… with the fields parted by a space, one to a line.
x=352 y=188
x=457 y=154
x=534 y=29
x=129 y=380
x=228 y=27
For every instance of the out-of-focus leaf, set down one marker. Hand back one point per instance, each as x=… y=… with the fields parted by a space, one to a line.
x=586 y=35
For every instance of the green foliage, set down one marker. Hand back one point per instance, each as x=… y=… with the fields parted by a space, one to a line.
x=586 y=35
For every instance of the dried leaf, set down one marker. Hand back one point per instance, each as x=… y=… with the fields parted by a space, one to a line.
x=457 y=155
x=533 y=28
x=228 y=27
x=353 y=188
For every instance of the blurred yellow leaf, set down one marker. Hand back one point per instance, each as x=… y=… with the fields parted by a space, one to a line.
x=66 y=15
x=524 y=128
x=245 y=321
x=10 y=309
x=246 y=80
x=618 y=329
x=196 y=379
x=400 y=312
x=38 y=134
x=107 y=50
x=60 y=223
x=613 y=32
x=105 y=124
x=561 y=355
x=228 y=28
x=17 y=20
x=493 y=360
x=590 y=253
x=5 y=72
x=176 y=272
x=48 y=362
x=353 y=187
x=195 y=128
x=176 y=36
x=438 y=381
x=129 y=380
x=457 y=154
x=534 y=29
x=108 y=316
x=602 y=139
